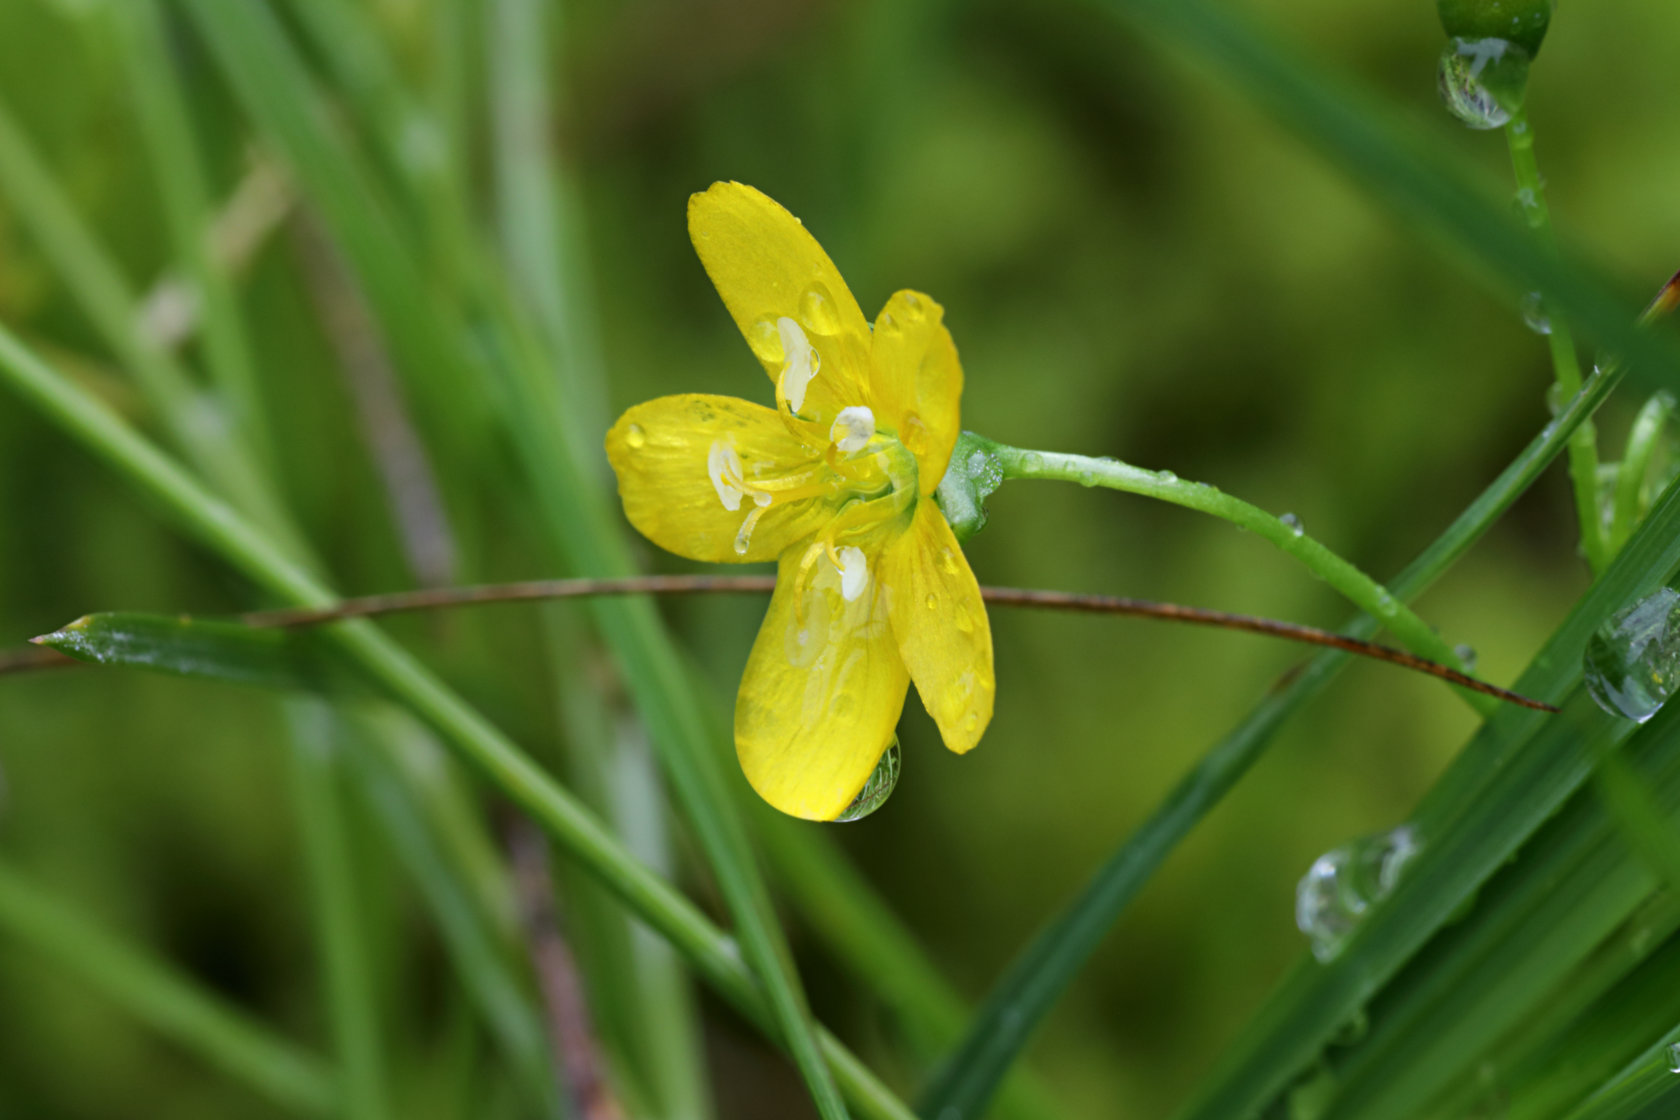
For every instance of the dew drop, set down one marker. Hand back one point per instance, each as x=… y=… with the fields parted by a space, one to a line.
x=877 y=789
x=885 y=322
x=1032 y=461
x=1344 y=883
x=964 y=620
x=1481 y=81
x=636 y=436
x=1632 y=663
x=817 y=312
x=1294 y=524
x=765 y=338
x=1534 y=313
x=1674 y=1057
x=913 y=305
x=933 y=602
x=1466 y=656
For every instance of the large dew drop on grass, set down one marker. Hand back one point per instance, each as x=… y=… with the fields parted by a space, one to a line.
x=1345 y=882
x=877 y=789
x=1481 y=81
x=1632 y=663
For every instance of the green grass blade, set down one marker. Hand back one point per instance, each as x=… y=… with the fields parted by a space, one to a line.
x=170 y=1003
x=382 y=756
x=155 y=476
x=178 y=165
x=317 y=782
x=561 y=457
x=1039 y=976
x=1516 y=771
x=94 y=280
x=1351 y=131
x=293 y=660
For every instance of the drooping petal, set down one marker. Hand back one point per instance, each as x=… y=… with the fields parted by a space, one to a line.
x=823 y=688
x=783 y=291
x=918 y=380
x=682 y=462
x=939 y=621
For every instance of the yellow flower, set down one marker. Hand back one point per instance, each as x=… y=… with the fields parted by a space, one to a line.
x=836 y=484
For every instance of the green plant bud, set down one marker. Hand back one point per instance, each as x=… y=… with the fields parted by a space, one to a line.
x=1522 y=22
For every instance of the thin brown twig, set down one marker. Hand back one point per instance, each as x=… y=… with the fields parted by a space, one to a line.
x=546 y=589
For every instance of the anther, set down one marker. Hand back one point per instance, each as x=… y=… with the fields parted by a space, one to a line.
x=724 y=465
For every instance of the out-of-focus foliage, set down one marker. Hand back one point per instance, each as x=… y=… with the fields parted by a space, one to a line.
x=1131 y=262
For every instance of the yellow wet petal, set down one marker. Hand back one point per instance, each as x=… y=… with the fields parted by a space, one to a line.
x=768 y=269
x=822 y=691
x=667 y=452
x=940 y=623
x=918 y=380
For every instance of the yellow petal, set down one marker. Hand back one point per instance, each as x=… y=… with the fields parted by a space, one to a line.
x=940 y=623
x=664 y=453
x=768 y=268
x=822 y=692
x=918 y=381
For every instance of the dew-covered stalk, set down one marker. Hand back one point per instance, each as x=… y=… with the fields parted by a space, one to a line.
x=1360 y=589
x=1583 y=445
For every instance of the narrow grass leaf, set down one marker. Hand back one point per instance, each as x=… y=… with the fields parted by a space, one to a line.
x=292 y=660
x=1025 y=993
x=1351 y=130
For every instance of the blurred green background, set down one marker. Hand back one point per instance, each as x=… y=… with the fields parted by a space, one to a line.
x=1132 y=263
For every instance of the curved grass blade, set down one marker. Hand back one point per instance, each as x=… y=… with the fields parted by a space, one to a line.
x=1037 y=978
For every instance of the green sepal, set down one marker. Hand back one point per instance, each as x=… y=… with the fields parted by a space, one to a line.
x=975 y=470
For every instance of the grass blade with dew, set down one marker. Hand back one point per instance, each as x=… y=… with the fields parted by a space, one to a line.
x=1027 y=991
x=1516 y=771
x=231 y=652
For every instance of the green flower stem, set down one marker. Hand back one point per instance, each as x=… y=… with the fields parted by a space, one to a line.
x=1359 y=588
x=1566 y=368
x=1044 y=969
x=579 y=832
x=1643 y=438
x=173 y=1004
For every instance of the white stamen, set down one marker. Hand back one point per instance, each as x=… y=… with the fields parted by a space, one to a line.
x=799 y=370
x=853 y=428
x=854 y=572
x=724 y=465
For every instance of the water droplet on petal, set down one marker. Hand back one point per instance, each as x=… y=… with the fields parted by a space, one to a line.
x=1344 y=883
x=1294 y=524
x=1534 y=313
x=817 y=311
x=885 y=322
x=964 y=620
x=766 y=341
x=1467 y=656
x=1632 y=663
x=1481 y=81
x=913 y=304
x=636 y=436
x=877 y=789
x=933 y=602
